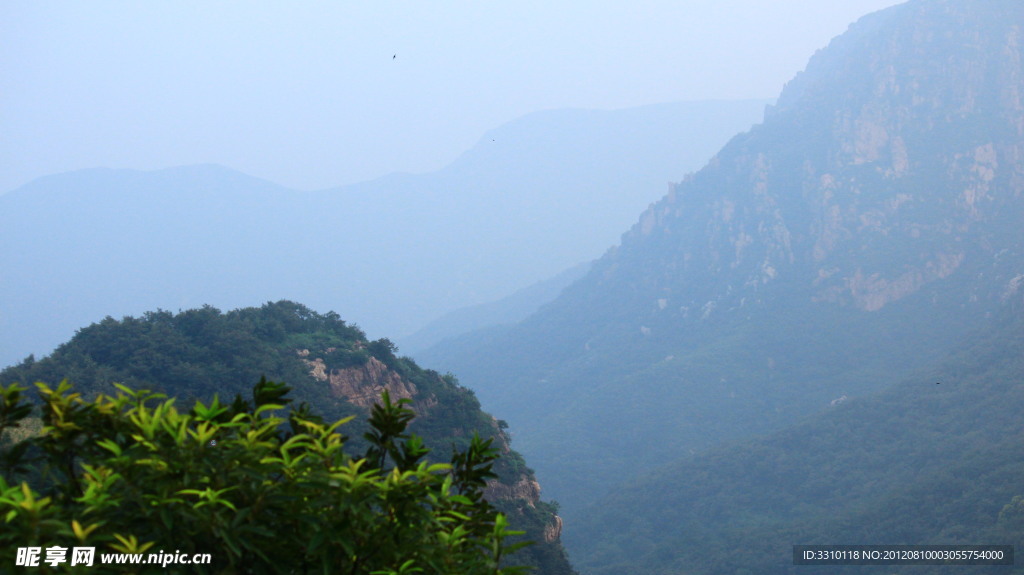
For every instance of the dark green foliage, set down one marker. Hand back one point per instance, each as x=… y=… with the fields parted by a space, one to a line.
x=196 y=354
x=193 y=352
x=384 y=350
x=13 y=412
x=131 y=474
x=387 y=436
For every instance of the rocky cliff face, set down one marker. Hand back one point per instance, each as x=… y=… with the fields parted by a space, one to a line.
x=864 y=227
x=892 y=162
x=362 y=385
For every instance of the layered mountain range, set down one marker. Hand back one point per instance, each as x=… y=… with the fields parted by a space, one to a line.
x=848 y=242
x=532 y=198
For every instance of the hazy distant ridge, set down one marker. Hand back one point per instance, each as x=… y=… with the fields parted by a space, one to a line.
x=532 y=198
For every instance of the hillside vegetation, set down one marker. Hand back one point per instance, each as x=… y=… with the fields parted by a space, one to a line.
x=936 y=459
x=329 y=365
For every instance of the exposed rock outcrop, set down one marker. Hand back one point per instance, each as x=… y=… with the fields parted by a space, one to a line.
x=364 y=384
x=525 y=489
x=553 y=531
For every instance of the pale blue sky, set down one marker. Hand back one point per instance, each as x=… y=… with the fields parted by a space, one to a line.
x=308 y=94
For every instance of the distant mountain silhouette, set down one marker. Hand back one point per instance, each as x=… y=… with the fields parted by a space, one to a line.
x=552 y=190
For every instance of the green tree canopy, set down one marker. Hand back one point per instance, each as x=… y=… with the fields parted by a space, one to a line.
x=260 y=492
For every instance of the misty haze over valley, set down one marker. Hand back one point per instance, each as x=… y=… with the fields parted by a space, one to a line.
x=713 y=281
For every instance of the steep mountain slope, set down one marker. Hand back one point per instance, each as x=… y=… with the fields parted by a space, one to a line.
x=330 y=365
x=508 y=310
x=532 y=198
x=853 y=237
x=935 y=459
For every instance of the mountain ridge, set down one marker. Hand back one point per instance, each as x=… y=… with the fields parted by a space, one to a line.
x=504 y=312
x=192 y=245
x=852 y=237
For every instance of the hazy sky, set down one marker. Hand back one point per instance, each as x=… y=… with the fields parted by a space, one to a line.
x=318 y=94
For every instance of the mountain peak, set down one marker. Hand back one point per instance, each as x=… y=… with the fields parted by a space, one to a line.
x=869 y=222
x=843 y=174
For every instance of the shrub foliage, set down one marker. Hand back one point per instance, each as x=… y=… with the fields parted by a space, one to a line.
x=259 y=491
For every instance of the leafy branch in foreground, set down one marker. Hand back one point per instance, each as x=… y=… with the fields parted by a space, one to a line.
x=259 y=492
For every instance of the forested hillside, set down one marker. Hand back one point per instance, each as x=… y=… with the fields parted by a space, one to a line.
x=937 y=458
x=330 y=365
x=855 y=236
